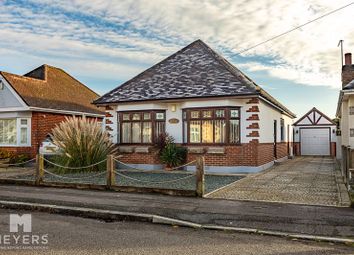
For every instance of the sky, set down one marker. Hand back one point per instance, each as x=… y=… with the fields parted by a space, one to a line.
x=104 y=43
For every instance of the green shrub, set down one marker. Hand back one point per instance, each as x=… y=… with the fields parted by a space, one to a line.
x=173 y=155
x=82 y=142
x=20 y=158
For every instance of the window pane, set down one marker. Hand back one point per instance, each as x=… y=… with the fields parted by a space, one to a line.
x=234 y=131
x=194 y=114
x=147 y=116
x=160 y=116
x=194 y=132
x=159 y=128
x=207 y=114
x=147 y=132
x=234 y=114
x=207 y=130
x=220 y=131
x=24 y=139
x=8 y=131
x=126 y=132
x=23 y=122
x=136 y=116
x=136 y=132
x=220 y=113
x=126 y=116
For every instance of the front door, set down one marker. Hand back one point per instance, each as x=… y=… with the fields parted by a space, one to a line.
x=275 y=139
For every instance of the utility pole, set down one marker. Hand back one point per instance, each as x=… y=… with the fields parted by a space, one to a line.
x=341 y=51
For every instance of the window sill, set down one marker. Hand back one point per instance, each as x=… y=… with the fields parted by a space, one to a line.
x=216 y=150
x=142 y=149
x=126 y=149
x=14 y=146
x=196 y=150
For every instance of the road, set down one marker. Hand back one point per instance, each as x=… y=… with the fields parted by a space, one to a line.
x=73 y=235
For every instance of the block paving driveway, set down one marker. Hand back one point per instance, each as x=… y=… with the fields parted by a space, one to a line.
x=303 y=180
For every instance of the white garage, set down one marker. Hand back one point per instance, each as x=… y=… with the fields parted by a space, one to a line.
x=315 y=141
x=315 y=135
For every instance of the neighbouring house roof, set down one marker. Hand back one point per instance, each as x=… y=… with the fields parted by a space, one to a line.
x=350 y=85
x=314 y=117
x=349 y=88
x=193 y=72
x=52 y=88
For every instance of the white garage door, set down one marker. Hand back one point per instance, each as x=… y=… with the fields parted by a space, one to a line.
x=315 y=141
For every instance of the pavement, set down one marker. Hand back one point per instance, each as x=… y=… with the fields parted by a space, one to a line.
x=281 y=217
x=302 y=180
x=79 y=236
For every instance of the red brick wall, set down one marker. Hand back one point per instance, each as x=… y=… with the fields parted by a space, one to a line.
x=42 y=124
x=141 y=158
x=333 y=149
x=282 y=150
x=248 y=154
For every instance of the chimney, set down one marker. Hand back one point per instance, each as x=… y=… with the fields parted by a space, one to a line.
x=348 y=59
x=347 y=70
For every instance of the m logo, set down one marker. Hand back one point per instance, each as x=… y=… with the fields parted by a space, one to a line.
x=25 y=221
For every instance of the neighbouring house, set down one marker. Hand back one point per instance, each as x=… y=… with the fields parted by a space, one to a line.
x=315 y=134
x=345 y=112
x=32 y=104
x=207 y=105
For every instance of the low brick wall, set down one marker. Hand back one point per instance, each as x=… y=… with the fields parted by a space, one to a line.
x=248 y=154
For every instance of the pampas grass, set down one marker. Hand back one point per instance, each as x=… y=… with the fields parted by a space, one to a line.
x=82 y=142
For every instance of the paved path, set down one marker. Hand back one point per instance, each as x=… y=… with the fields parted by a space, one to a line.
x=72 y=235
x=303 y=180
x=312 y=220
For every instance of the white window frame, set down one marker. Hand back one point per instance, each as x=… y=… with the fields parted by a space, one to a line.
x=18 y=133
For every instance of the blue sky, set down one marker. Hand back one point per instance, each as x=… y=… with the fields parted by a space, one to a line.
x=104 y=43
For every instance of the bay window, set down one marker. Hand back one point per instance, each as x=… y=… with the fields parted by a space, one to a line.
x=14 y=132
x=211 y=125
x=141 y=127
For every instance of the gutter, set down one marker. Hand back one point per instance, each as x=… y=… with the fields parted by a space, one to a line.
x=39 y=109
x=247 y=95
x=340 y=99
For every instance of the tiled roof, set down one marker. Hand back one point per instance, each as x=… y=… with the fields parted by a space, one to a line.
x=194 y=71
x=52 y=88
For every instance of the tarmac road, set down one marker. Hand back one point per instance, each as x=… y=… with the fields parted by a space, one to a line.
x=74 y=235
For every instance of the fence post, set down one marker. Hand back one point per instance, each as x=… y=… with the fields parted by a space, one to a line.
x=39 y=169
x=111 y=179
x=200 y=176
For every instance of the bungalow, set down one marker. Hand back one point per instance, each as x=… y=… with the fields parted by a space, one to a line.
x=207 y=105
x=32 y=104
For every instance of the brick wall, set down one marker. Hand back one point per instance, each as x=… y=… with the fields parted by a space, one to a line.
x=141 y=158
x=247 y=154
x=42 y=124
x=347 y=74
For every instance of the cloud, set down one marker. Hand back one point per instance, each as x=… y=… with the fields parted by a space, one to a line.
x=121 y=37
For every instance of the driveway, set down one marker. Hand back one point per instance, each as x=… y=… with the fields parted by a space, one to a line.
x=303 y=180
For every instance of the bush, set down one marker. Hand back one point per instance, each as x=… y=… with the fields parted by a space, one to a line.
x=81 y=142
x=20 y=158
x=6 y=154
x=172 y=155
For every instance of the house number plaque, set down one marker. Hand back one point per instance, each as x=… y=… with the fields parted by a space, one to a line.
x=173 y=121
